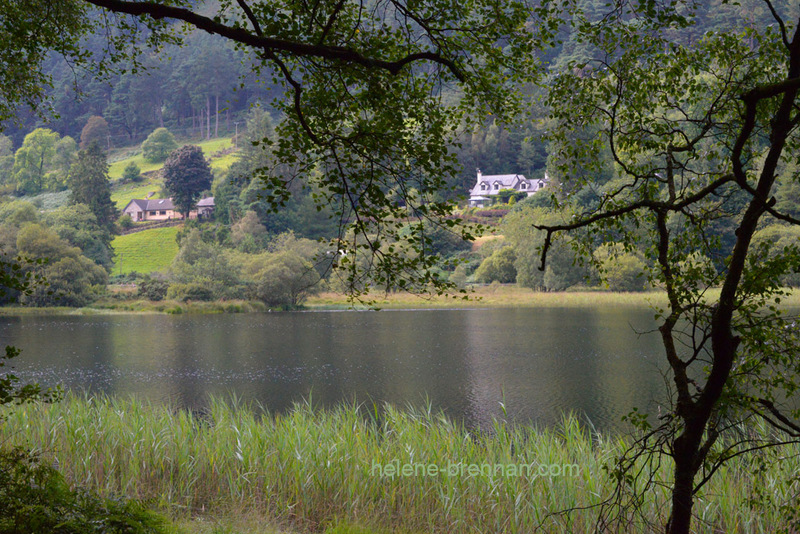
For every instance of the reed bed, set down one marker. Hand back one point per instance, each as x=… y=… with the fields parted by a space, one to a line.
x=513 y=296
x=493 y=296
x=310 y=468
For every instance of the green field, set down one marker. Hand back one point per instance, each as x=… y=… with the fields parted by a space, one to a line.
x=145 y=252
x=209 y=147
x=124 y=194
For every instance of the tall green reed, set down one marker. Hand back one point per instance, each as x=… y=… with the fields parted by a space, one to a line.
x=311 y=467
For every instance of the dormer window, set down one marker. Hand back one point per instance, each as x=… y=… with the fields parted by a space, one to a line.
x=483 y=187
x=541 y=184
x=496 y=185
x=523 y=185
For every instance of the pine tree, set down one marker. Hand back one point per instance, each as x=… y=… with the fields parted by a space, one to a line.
x=88 y=182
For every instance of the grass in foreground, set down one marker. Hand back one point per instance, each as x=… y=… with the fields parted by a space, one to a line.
x=313 y=470
x=146 y=251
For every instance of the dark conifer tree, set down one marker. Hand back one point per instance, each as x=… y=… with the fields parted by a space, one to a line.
x=88 y=183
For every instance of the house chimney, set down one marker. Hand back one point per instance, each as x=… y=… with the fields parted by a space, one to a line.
x=479 y=174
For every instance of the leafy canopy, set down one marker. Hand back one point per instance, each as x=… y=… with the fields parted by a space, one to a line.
x=186 y=175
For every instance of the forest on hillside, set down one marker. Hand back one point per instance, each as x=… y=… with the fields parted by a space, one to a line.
x=202 y=89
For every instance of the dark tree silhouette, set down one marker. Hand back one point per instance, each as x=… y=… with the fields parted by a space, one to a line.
x=88 y=182
x=186 y=175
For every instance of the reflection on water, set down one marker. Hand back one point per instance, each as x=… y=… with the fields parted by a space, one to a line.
x=542 y=362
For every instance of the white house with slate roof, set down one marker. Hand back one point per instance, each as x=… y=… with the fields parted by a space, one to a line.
x=491 y=184
x=162 y=209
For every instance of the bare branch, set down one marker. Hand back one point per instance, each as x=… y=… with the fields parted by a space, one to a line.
x=779 y=20
x=789 y=426
x=251 y=17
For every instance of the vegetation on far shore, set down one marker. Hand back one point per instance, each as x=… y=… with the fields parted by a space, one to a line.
x=489 y=296
x=123 y=299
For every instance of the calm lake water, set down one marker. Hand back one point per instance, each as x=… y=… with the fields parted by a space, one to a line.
x=543 y=362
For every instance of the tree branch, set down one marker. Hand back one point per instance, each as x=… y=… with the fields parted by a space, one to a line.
x=251 y=17
x=299 y=49
x=642 y=204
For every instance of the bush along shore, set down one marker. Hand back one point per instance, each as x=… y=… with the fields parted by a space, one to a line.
x=396 y=470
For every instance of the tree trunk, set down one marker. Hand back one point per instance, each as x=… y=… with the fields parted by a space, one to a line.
x=685 y=450
x=216 y=117
x=208 y=116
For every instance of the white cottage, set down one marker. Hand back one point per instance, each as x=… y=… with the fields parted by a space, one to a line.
x=491 y=184
x=162 y=209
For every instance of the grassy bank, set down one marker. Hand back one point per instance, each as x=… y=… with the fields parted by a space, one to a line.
x=309 y=469
x=209 y=147
x=511 y=296
x=495 y=296
x=146 y=251
x=112 y=306
x=123 y=300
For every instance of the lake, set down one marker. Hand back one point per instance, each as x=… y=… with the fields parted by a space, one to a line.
x=539 y=362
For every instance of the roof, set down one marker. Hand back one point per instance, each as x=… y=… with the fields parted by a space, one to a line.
x=505 y=179
x=154 y=204
x=139 y=203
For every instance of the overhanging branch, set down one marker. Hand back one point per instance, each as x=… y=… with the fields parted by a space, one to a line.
x=262 y=42
x=624 y=210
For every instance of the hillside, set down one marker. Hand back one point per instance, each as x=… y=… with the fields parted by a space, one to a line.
x=146 y=251
x=219 y=151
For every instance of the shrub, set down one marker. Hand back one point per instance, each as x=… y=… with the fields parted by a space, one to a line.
x=499 y=267
x=36 y=498
x=190 y=291
x=158 y=145
x=125 y=222
x=498 y=213
x=131 y=173
x=622 y=271
x=153 y=289
x=285 y=280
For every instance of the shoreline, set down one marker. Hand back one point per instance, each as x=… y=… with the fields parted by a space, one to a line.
x=485 y=297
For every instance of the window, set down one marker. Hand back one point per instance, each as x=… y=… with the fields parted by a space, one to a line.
x=153 y=212
x=523 y=185
x=162 y=212
x=483 y=187
x=497 y=186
